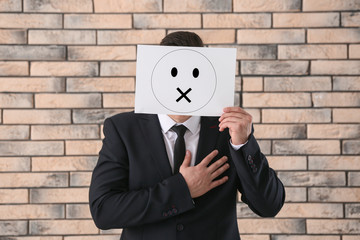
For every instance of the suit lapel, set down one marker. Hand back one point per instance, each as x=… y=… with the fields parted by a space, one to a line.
x=209 y=133
x=151 y=130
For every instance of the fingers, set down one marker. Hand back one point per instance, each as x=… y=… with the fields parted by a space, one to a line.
x=220 y=171
x=205 y=162
x=219 y=182
x=187 y=159
x=212 y=168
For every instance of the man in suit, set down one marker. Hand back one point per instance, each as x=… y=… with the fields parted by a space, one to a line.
x=139 y=184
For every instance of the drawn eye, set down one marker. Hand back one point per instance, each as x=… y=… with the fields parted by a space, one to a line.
x=174 y=72
x=195 y=72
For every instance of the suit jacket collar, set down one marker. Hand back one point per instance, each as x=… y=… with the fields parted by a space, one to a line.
x=151 y=130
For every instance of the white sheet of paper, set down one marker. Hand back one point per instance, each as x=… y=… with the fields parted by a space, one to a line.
x=184 y=80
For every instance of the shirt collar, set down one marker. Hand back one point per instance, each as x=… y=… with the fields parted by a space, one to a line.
x=193 y=123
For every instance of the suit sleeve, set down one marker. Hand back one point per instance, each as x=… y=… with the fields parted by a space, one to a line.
x=113 y=205
x=261 y=189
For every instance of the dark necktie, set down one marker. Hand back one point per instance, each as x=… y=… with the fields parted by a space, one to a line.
x=179 y=149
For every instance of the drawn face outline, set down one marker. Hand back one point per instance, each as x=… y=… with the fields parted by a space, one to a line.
x=198 y=66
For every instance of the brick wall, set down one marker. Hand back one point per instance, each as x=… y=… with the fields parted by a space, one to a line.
x=66 y=65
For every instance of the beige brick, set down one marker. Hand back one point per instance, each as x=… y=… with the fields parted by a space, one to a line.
x=14 y=132
x=40 y=132
x=32 y=84
x=68 y=37
x=10 y=6
x=333 y=35
x=98 y=53
x=334 y=194
x=312 y=51
x=354 y=178
x=300 y=20
x=352 y=210
x=11 y=180
x=299 y=179
x=107 y=37
x=272 y=226
x=296 y=115
x=100 y=84
x=349 y=237
x=58 y=6
x=114 y=100
x=243 y=211
x=31 y=211
x=295 y=194
x=118 y=69
x=237 y=20
x=98 y=21
x=255 y=52
x=216 y=36
x=62 y=227
x=63 y=163
x=64 y=69
x=10 y=68
x=59 y=195
x=32 y=53
x=89 y=147
x=333 y=226
x=346 y=115
x=30 y=21
x=35 y=238
x=350 y=19
x=14 y=164
x=37 y=116
x=330 y=5
x=297 y=84
x=270 y=36
x=197 y=6
x=255 y=237
x=334 y=163
x=167 y=20
x=111 y=231
x=80 y=179
x=13 y=196
x=311 y=147
x=252 y=84
x=354 y=51
x=94 y=116
x=266 y=5
x=303 y=237
x=337 y=67
x=336 y=99
x=92 y=100
x=126 y=6
x=351 y=147
x=335 y=131
x=287 y=162
x=274 y=67
x=8 y=228
x=276 y=131
x=13 y=100
x=78 y=211
x=346 y=83
x=36 y=148
x=276 y=100
x=311 y=210
x=13 y=36
x=265 y=146
x=255 y=113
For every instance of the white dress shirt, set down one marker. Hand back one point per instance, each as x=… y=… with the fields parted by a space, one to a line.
x=191 y=136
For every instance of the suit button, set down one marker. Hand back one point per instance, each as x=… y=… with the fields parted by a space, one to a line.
x=180 y=227
x=165 y=214
x=174 y=211
x=254 y=169
x=249 y=158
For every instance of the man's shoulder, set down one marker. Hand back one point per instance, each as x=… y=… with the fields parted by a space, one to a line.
x=129 y=116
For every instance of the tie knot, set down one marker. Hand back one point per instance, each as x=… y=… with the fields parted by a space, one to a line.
x=180 y=130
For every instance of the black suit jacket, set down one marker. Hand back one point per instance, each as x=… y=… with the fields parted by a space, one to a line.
x=133 y=187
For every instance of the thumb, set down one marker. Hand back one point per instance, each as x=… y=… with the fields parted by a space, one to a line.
x=187 y=159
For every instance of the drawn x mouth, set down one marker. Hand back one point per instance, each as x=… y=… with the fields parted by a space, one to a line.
x=183 y=95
